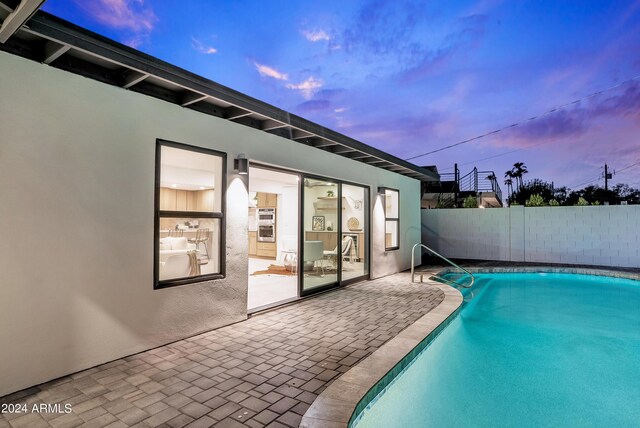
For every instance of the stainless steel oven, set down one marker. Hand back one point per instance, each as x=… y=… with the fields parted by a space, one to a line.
x=267 y=224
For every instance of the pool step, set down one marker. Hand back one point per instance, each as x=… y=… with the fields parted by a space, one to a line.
x=421 y=275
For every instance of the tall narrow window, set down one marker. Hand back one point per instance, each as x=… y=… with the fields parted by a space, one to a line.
x=392 y=219
x=189 y=226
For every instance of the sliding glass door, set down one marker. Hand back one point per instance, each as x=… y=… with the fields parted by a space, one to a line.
x=320 y=234
x=335 y=235
x=354 y=232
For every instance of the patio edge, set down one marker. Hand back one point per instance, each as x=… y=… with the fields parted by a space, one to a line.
x=335 y=406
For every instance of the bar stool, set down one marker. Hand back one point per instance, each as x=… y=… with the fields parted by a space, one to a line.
x=202 y=237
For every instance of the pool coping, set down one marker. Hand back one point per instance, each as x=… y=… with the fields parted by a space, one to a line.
x=336 y=405
x=339 y=403
x=549 y=269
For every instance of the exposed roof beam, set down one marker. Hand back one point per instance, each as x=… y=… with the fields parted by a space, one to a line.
x=310 y=141
x=236 y=113
x=298 y=134
x=53 y=51
x=358 y=155
x=268 y=125
x=284 y=132
x=6 y=7
x=192 y=98
x=244 y=109
x=133 y=78
x=324 y=143
x=18 y=17
x=342 y=149
x=249 y=121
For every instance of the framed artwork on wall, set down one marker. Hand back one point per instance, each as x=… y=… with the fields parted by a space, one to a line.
x=317 y=222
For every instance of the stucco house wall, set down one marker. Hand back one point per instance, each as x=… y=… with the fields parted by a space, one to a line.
x=77 y=165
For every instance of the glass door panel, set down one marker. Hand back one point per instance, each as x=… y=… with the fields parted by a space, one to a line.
x=320 y=252
x=355 y=237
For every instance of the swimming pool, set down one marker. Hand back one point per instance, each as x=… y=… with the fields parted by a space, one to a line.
x=530 y=349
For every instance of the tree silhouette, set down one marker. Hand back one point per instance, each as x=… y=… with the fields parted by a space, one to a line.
x=509 y=175
x=519 y=169
x=509 y=183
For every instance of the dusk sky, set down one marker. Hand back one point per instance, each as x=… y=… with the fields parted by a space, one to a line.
x=410 y=77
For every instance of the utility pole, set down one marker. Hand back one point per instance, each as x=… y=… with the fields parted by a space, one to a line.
x=607 y=177
x=456 y=177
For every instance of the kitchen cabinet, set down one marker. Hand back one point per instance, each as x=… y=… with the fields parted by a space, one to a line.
x=185 y=200
x=267 y=200
x=253 y=243
x=266 y=249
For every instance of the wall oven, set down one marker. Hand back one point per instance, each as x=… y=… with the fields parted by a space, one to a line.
x=266 y=224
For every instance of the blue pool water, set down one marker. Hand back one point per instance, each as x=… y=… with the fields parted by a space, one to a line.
x=529 y=350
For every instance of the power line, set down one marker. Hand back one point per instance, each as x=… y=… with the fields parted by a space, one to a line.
x=627 y=167
x=500 y=154
x=513 y=125
x=586 y=182
x=601 y=176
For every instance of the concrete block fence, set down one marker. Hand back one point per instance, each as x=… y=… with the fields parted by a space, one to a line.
x=592 y=235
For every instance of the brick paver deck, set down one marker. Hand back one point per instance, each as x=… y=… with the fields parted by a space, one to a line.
x=265 y=371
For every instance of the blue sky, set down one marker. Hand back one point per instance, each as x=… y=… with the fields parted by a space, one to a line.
x=409 y=77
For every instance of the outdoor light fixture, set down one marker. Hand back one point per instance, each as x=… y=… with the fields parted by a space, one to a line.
x=241 y=164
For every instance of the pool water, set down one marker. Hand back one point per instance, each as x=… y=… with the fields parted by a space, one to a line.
x=529 y=350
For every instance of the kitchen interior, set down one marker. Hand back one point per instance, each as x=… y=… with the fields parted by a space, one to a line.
x=273 y=237
x=323 y=247
x=188 y=184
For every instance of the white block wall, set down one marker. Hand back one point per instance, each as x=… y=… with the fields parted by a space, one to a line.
x=602 y=235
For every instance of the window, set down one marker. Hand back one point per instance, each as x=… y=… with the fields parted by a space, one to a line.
x=189 y=220
x=392 y=219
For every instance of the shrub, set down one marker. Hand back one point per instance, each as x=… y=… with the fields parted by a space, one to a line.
x=554 y=203
x=535 y=201
x=470 y=202
x=582 y=202
x=596 y=203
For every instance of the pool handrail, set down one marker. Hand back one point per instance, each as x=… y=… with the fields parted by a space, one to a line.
x=413 y=268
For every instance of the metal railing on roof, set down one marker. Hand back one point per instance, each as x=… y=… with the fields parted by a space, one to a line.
x=475 y=181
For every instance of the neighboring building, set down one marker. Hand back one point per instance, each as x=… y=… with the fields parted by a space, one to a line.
x=451 y=189
x=137 y=198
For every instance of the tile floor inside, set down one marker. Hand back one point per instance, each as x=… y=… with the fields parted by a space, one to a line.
x=269 y=289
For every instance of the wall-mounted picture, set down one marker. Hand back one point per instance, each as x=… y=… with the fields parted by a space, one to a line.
x=317 y=222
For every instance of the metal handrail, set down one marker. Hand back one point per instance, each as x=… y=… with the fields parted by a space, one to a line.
x=413 y=253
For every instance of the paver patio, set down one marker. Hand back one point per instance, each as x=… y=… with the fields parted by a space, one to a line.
x=265 y=371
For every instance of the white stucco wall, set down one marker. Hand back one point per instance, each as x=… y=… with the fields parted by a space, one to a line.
x=76 y=214
x=592 y=235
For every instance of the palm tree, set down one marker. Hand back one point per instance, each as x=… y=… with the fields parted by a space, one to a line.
x=494 y=182
x=509 y=175
x=509 y=183
x=519 y=169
